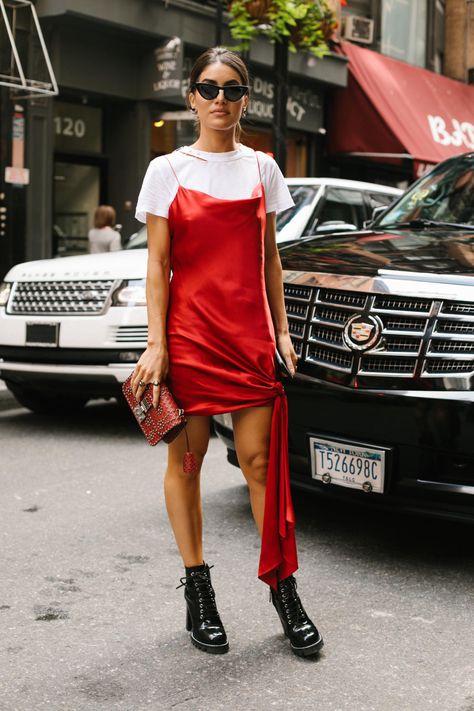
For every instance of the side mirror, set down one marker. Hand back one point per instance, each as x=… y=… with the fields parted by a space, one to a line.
x=334 y=226
x=376 y=212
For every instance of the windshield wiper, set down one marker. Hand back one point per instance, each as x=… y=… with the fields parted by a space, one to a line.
x=421 y=224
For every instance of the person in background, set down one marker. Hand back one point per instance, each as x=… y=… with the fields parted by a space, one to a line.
x=103 y=237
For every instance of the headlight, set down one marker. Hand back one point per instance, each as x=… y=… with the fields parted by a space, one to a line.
x=130 y=293
x=5 y=289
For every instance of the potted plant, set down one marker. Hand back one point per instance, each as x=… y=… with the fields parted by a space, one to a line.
x=305 y=24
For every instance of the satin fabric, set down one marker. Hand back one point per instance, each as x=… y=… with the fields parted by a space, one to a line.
x=221 y=340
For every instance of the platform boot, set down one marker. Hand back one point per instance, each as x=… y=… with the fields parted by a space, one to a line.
x=304 y=637
x=202 y=617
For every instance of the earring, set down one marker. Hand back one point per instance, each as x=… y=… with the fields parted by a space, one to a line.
x=244 y=112
x=193 y=109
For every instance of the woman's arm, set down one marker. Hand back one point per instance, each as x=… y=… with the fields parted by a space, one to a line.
x=153 y=363
x=274 y=288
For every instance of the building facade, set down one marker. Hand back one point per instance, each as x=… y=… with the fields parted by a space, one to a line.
x=121 y=67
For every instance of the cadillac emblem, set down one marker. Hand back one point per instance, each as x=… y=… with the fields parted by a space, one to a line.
x=362 y=332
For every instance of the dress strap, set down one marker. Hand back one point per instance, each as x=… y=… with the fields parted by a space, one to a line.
x=173 y=170
x=258 y=163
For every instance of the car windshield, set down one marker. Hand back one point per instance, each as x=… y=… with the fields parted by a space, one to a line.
x=303 y=196
x=446 y=194
x=138 y=240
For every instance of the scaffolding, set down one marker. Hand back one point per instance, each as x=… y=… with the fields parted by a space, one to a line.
x=25 y=65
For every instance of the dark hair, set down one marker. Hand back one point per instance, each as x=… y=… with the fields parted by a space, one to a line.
x=215 y=55
x=104 y=216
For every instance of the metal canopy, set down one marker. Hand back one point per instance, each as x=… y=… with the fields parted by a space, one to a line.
x=16 y=17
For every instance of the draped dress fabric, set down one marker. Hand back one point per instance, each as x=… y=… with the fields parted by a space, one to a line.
x=221 y=340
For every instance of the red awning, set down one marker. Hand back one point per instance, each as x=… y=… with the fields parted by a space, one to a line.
x=392 y=109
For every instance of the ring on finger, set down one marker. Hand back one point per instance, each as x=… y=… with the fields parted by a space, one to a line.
x=141 y=383
x=156 y=383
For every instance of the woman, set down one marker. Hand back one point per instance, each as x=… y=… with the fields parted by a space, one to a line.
x=102 y=237
x=213 y=330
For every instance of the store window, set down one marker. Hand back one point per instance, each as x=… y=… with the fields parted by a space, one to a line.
x=78 y=175
x=404 y=30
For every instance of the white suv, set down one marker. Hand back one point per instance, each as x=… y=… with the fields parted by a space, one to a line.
x=72 y=329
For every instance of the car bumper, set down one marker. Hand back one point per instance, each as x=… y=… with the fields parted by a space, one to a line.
x=430 y=437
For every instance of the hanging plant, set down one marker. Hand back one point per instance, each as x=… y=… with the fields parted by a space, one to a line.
x=306 y=24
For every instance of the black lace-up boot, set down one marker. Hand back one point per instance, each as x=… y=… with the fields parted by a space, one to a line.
x=305 y=639
x=202 y=617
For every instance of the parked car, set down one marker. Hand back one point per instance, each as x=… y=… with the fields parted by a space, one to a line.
x=73 y=328
x=381 y=411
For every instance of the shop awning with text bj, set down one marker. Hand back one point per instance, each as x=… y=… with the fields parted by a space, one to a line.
x=392 y=111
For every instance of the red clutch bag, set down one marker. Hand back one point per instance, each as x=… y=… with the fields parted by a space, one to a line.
x=164 y=422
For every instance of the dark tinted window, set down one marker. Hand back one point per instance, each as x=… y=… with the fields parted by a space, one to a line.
x=343 y=205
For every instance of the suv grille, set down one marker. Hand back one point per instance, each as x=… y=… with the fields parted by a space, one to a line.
x=60 y=297
x=420 y=337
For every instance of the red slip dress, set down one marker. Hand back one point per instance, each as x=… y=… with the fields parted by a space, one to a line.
x=221 y=340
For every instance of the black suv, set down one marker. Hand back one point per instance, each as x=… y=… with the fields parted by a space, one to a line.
x=381 y=409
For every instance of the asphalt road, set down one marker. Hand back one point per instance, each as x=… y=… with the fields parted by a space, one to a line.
x=90 y=617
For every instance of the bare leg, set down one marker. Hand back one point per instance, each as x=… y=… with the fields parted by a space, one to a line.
x=183 y=491
x=252 y=429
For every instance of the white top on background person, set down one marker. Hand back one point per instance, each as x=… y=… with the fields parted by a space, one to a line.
x=233 y=177
x=102 y=237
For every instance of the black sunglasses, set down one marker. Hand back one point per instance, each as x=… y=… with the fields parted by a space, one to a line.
x=232 y=92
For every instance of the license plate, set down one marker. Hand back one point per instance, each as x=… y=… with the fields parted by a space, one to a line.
x=42 y=334
x=345 y=464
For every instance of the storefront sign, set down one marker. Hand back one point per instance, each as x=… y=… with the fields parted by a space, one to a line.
x=304 y=106
x=459 y=133
x=17 y=174
x=77 y=128
x=169 y=68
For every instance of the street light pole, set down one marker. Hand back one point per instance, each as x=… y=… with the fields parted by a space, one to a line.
x=280 y=102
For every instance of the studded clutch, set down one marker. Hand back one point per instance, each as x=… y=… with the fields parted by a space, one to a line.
x=164 y=422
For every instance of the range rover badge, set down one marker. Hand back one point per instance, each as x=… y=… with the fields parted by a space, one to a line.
x=362 y=332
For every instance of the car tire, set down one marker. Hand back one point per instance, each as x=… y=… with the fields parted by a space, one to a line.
x=44 y=402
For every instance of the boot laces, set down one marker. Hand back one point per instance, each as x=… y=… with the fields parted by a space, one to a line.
x=205 y=593
x=292 y=606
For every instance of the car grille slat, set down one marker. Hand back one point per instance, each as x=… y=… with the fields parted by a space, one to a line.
x=330 y=357
x=325 y=335
x=296 y=328
x=294 y=291
x=297 y=310
x=458 y=308
x=327 y=314
x=347 y=299
x=388 y=366
x=455 y=327
x=441 y=366
x=402 y=323
x=129 y=334
x=60 y=297
x=396 y=304
x=401 y=344
x=452 y=346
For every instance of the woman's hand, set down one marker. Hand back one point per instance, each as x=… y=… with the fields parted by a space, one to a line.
x=151 y=368
x=287 y=352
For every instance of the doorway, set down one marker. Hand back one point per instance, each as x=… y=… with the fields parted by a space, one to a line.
x=77 y=190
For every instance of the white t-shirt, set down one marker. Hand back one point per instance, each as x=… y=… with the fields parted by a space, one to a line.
x=232 y=175
x=104 y=239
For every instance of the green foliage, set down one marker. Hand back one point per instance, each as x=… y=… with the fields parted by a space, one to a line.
x=306 y=24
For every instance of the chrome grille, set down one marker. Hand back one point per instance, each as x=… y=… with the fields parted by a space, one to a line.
x=419 y=335
x=60 y=297
x=128 y=334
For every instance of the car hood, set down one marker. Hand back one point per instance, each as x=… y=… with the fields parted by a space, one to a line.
x=125 y=264
x=420 y=252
